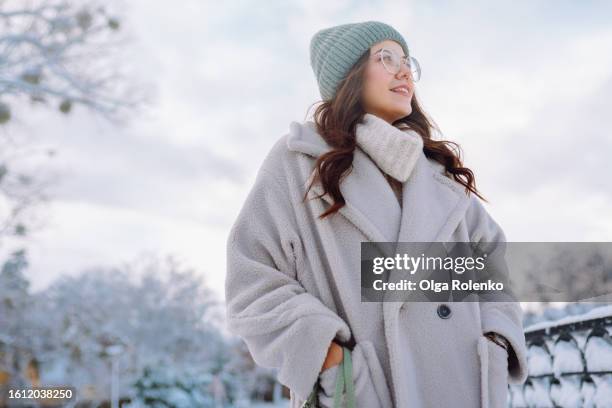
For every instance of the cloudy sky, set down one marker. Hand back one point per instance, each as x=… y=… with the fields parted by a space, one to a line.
x=523 y=87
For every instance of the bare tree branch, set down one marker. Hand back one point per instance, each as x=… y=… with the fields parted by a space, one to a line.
x=59 y=54
x=59 y=50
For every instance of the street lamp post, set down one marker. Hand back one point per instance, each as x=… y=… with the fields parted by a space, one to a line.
x=115 y=351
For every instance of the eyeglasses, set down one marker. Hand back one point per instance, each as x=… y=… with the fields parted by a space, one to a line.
x=392 y=63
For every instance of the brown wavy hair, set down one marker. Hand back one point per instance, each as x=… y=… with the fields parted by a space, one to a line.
x=336 y=121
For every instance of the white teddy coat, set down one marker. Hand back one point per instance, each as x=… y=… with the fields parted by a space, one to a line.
x=293 y=285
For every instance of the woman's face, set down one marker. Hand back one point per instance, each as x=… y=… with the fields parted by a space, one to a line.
x=378 y=97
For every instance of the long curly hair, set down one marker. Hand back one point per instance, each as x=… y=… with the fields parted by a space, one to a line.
x=336 y=121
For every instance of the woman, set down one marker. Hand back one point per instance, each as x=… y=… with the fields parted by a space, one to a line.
x=366 y=169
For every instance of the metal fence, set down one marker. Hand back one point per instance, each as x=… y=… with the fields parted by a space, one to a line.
x=570 y=365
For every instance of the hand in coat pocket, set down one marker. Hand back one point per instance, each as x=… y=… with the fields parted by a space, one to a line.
x=365 y=367
x=494 y=374
x=328 y=383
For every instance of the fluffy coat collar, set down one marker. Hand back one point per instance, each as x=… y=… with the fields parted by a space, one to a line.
x=395 y=151
x=432 y=203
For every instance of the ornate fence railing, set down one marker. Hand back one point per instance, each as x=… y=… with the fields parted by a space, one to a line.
x=570 y=363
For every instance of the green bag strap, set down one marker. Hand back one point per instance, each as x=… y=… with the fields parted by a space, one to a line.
x=344 y=379
x=339 y=385
x=348 y=379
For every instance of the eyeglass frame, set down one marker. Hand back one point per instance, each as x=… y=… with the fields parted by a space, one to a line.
x=406 y=57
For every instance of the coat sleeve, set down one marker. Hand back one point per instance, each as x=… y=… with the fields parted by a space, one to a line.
x=503 y=317
x=283 y=326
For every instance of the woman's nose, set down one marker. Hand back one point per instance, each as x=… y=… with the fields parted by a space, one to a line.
x=405 y=72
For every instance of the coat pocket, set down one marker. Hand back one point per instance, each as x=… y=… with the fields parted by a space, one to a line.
x=493 y=374
x=371 y=388
x=327 y=380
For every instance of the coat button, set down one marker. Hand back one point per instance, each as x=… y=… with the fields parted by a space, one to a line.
x=444 y=311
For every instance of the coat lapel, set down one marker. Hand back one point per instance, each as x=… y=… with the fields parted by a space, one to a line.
x=433 y=204
x=371 y=205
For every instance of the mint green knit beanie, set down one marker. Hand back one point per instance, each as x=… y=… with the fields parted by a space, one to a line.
x=334 y=50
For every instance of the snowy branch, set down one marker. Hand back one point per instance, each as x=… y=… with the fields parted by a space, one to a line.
x=64 y=51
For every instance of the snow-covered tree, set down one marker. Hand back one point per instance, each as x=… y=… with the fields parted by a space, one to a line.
x=157 y=310
x=15 y=303
x=21 y=192
x=58 y=54
x=164 y=387
x=63 y=53
x=148 y=324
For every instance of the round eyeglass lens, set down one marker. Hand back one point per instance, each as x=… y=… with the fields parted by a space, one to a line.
x=392 y=63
